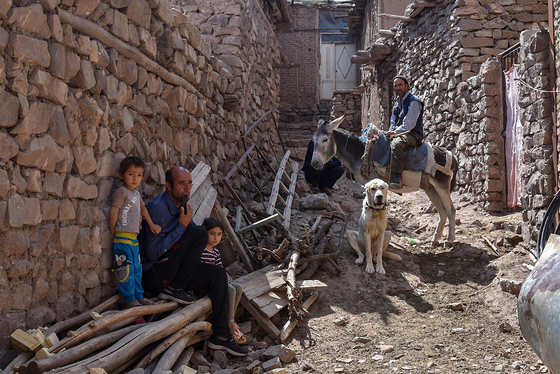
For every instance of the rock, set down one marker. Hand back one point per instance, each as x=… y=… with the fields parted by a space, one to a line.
x=30 y=18
x=9 y=109
x=307 y=366
x=29 y=50
x=511 y=286
x=361 y=339
x=284 y=353
x=456 y=306
x=220 y=358
x=341 y=321
x=273 y=363
x=505 y=327
x=313 y=202
x=198 y=359
x=385 y=348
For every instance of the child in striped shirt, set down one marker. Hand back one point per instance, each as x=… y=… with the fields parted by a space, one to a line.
x=211 y=255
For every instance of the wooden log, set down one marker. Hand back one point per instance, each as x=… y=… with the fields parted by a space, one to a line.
x=183 y=359
x=96 y=32
x=314 y=265
x=174 y=351
x=293 y=297
x=20 y=359
x=130 y=345
x=86 y=331
x=189 y=330
x=84 y=317
x=291 y=325
x=78 y=352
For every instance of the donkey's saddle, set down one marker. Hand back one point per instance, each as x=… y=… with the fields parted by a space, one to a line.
x=377 y=156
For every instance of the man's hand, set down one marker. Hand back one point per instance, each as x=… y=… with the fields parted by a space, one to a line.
x=186 y=217
x=389 y=133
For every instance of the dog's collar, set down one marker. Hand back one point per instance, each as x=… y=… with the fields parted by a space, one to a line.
x=376 y=209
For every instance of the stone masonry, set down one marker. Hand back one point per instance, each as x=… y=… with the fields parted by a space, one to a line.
x=536 y=116
x=84 y=83
x=348 y=103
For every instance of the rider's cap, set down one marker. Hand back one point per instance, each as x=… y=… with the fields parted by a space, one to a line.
x=401 y=77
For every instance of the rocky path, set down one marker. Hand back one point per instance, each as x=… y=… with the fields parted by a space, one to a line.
x=440 y=310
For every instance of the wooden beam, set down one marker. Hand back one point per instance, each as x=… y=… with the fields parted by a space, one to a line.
x=265 y=323
x=394 y=16
x=386 y=33
x=291 y=325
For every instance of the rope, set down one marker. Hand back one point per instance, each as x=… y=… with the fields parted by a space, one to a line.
x=539 y=91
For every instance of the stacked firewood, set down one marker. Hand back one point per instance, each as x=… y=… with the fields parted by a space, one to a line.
x=112 y=341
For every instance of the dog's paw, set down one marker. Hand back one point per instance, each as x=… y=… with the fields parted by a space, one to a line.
x=380 y=270
x=370 y=269
x=359 y=261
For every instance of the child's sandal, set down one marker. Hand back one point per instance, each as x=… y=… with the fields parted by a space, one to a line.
x=238 y=335
x=146 y=301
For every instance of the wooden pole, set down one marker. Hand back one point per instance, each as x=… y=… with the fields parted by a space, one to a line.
x=93 y=30
x=86 y=331
x=78 y=352
x=188 y=330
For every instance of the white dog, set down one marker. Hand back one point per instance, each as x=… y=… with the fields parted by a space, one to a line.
x=372 y=236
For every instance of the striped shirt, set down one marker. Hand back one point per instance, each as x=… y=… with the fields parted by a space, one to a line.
x=211 y=257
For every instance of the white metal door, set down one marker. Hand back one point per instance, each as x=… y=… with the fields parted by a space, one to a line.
x=337 y=70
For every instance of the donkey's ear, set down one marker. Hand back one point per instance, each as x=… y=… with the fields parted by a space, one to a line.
x=320 y=123
x=335 y=123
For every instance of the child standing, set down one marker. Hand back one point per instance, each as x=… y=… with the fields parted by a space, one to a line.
x=211 y=255
x=125 y=217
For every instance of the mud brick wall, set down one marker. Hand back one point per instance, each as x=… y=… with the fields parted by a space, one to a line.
x=348 y=103
x=300 y=85
x=536 y=116
x=468 y=34
x=74 y=102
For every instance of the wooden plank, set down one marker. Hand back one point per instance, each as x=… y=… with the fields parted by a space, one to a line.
x=233 y=238
x=306 y=284
x=198 y=175
x=196 y=199
x=265 y=323
x=290 y=199
x=257 y=224
x=254 y=274
x=264 y=283
x=205 y=208
x=291 y=325
x=270 y=303
x=276 y=185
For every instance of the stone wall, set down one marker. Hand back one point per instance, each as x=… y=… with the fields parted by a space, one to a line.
x=348 y=103
x=468 y=34
x=536 y=116
x=480 y=143
x=556 y=17
x=141 y=80
x=299 y=96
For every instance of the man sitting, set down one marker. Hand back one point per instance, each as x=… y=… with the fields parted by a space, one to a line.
x=171 y=259
x=406 y=128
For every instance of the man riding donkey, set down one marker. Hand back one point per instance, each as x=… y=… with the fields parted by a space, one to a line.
x=406 y=128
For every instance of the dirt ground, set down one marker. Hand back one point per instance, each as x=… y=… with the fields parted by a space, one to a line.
x=441 y=310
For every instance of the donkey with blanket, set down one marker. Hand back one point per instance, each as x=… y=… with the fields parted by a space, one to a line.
x=436 y=175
